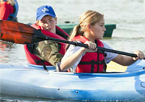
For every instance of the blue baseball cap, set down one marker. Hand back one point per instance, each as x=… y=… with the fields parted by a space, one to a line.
x=43 y=11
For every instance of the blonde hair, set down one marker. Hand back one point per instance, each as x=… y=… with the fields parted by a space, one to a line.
x=12 y=2
x=89 y=17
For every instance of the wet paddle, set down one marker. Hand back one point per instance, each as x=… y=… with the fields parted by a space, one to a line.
x=24 y=34
x=18 y=33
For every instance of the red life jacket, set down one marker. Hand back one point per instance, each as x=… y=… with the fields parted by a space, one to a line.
x=33 y=59
x=91 y=62
x=5 y=10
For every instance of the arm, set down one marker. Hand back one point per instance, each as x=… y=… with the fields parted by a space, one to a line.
x=122 y=59
x=75 y=55
x=70 y=61
x=126 y=60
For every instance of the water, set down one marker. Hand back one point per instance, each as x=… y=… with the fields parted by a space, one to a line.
x=128 y=15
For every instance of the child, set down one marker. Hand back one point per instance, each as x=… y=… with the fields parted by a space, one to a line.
x=46 y=52
x=8 y=10
x=89 y=31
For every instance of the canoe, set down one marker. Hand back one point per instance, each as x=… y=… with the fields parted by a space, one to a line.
x=31 y=81
x=67 y=27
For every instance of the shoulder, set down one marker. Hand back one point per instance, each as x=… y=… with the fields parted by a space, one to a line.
x=109 y=55
x=3 y=4
x=35 y=26
x=106 y=45
x=6 y=4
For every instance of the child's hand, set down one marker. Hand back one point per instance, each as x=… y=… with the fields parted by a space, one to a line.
x=91 y=45
x=140 y=55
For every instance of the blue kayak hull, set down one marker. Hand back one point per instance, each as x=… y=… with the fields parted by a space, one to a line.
x=32 y=81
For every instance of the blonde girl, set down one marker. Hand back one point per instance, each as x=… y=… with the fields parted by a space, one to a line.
x=90 y=31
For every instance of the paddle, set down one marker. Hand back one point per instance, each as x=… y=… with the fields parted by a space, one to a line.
x=24 y=34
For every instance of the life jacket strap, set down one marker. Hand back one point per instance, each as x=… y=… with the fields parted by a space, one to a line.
x=91 y=62
x=42 y=62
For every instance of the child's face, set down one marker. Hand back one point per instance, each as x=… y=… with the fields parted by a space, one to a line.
x=98 y=29
x=48 y=23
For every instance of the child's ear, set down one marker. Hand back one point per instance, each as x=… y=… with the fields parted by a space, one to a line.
x=56 y=20
x=89 y=26
x=37 y=22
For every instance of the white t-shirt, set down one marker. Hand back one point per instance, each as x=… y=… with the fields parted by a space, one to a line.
x=72 y=49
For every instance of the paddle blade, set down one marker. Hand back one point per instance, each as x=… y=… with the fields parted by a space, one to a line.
x=18 y=33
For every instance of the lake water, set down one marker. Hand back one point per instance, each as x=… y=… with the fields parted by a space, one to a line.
x=128 y=15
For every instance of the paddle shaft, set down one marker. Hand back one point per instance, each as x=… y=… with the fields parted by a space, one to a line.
x=86 y=46
x=23 y=34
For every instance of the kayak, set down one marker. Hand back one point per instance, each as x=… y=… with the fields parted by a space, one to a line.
x=32 y=81
x=68 y=27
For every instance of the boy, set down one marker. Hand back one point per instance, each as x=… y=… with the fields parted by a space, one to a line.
x=46 y=52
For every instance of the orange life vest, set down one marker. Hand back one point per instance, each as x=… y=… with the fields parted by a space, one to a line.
x=91 y=62
x=33 y=59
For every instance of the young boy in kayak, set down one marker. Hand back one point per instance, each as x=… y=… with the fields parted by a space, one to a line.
x=46 y=52
x=8 y=10
x=82 y=60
